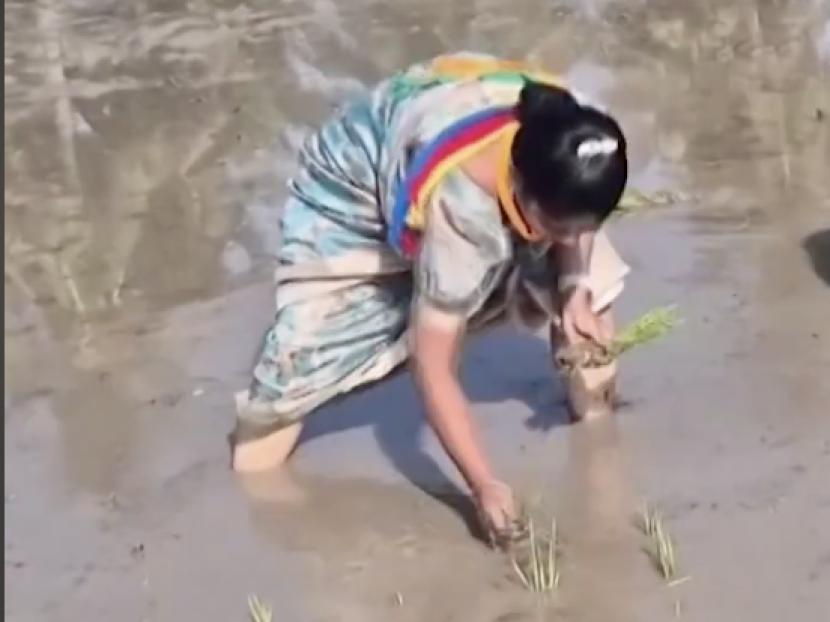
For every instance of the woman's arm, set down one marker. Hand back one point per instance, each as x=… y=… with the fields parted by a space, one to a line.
x=573 y=263
x=436 y=341
x=574 y=256
x=462 y=249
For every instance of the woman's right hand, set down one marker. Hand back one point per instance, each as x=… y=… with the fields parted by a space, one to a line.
x=435 y=344
x=497 y=512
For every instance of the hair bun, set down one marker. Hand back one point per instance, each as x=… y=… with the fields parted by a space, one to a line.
x=543 y=101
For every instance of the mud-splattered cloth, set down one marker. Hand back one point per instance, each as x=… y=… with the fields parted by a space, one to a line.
x=344 y=296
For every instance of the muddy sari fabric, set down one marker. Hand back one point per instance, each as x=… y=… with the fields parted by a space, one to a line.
x=344 y=295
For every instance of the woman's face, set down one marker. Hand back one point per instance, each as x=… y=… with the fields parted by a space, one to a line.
x=563 y=232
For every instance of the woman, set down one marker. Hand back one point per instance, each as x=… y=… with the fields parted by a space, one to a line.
x=455 y=194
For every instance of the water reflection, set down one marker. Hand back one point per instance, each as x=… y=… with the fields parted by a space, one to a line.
x=142 y=141
x=596 y=500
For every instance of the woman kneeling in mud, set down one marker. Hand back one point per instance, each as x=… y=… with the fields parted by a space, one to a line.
x=456 y=194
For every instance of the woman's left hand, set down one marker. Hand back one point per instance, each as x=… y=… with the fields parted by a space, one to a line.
x=579 y=322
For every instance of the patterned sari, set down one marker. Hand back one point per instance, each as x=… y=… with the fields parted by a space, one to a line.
x=346 y=288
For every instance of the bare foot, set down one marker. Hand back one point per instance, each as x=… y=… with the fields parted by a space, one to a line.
x=266 y=453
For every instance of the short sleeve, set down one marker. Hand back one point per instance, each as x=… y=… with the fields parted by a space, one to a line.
x=464 y=250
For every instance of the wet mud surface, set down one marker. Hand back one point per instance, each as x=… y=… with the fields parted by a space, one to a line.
x=147 y=149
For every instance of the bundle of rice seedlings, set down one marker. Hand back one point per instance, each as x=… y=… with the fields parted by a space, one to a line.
x=661 y=547
x=538 y=567
x=259 y=611
x=650 y=326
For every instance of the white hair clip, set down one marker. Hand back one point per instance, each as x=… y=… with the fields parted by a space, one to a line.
x=596 y=146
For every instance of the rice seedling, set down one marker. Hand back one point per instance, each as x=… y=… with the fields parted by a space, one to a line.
x=661 y=547
x=538 y=566
x=648 y=327
x=259 y=611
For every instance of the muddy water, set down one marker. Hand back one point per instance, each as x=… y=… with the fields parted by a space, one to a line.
x=147 y=147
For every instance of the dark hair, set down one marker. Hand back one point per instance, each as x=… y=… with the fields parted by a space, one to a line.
x=546 y=156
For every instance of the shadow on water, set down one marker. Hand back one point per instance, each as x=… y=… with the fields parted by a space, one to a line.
x=817 y=247
x=497 y=367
